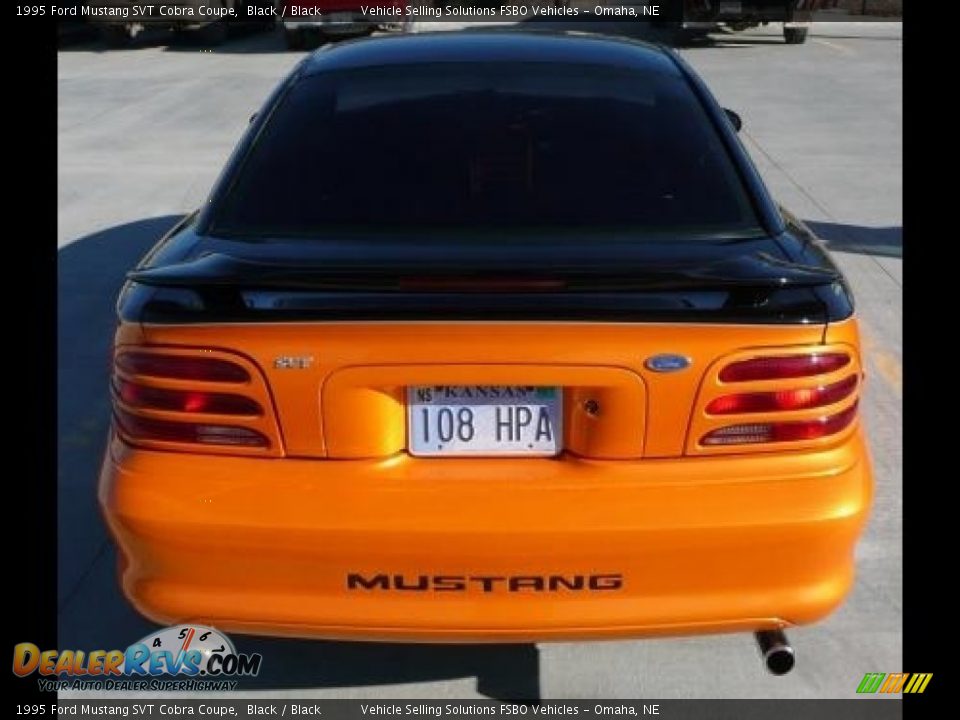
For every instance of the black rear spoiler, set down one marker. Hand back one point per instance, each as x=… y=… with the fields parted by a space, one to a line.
x=756 y=272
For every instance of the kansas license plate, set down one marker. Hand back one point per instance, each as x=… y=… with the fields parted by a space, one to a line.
x=484 y=420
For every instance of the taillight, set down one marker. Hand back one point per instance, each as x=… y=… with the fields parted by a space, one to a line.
x=781 y=431
x=793 y=397
x=192 y=397
x=783 y=367
x=783 y=400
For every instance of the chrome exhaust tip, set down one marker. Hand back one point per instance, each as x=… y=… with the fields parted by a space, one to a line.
x=777 y=653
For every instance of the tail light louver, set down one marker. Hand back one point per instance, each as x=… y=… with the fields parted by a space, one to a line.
x=783 y=400
x=182 y=367
x=782 y=367
x=180 y=432
x=186 y=401
x=200 y=398
x=777 y=398
x=781 y=431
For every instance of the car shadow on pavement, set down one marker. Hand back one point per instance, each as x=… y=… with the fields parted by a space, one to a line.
x=503 y=671
x=90 y=272
x=883 y=241
x=93 y=612
x=730 y=40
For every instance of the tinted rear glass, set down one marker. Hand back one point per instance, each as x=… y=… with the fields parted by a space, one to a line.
x=471 y=145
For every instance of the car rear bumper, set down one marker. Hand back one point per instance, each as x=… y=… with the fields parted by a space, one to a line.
x=702 y=544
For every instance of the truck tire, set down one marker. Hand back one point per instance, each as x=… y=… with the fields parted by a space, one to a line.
x=795 y=36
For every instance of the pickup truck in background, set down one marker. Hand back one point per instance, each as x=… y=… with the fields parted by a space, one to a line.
x=304 y=21
x=703 y=16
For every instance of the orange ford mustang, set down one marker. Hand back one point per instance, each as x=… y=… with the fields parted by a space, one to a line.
x=488 y=336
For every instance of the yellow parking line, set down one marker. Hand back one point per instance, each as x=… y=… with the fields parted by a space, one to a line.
x=886 y=364
x=842 y=49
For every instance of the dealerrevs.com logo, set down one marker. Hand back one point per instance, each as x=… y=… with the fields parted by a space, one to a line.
x=182 y=657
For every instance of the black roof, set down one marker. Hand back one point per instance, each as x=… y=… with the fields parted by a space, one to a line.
x=491 y=46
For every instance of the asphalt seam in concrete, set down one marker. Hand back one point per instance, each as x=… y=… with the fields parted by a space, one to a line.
x=69 y=595
x=809 y=196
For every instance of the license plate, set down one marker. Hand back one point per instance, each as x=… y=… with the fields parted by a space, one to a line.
x=340 y=17
x=487 y=420
x=731 y=8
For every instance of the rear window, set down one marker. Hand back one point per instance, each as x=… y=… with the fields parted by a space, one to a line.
x=470 y=145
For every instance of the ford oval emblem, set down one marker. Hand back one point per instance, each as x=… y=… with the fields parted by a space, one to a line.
x=667 y=363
